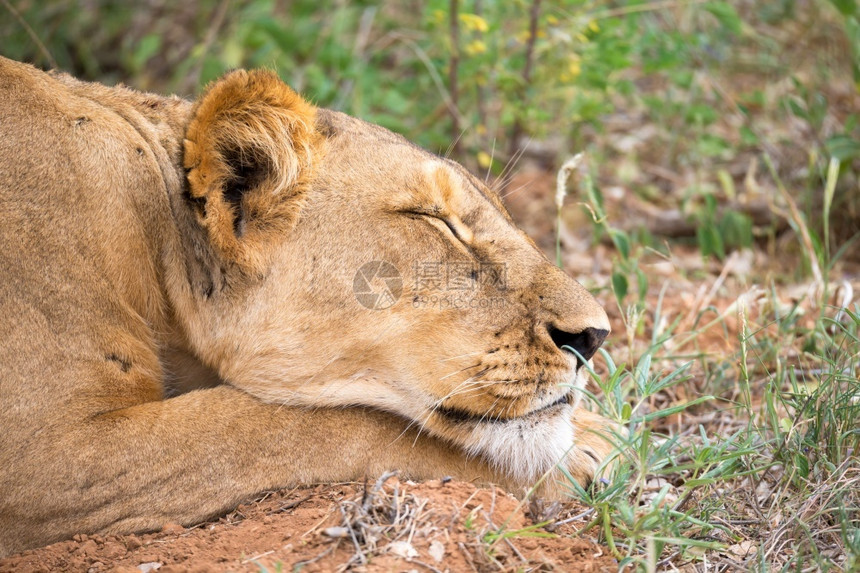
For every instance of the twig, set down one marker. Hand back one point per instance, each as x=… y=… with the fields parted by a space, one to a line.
x=517 y=132
x=434 y=73
x=293 y=504
x=427 y=565
x=453 y=67
x=576 y=517
x=45 y=53
x=217 y=21
x=482 y=96
x=255 y=557
x=650 y=7
x=359 y=555
x=367 y=500
x=359 y=52
x=299 y=564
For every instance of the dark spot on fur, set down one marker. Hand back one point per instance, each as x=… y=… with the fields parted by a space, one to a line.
x=325 y=126
x=81 y=120
x=139 y=151
x=124 y=364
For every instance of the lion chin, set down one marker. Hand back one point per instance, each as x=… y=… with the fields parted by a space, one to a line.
x=203 y=300
x=525 y=448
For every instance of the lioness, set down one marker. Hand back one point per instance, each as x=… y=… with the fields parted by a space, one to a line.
x=180 y=326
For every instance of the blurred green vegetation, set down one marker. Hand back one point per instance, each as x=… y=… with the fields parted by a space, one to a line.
x=687 y=89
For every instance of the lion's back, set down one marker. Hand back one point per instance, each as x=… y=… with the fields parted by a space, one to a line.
x=76 y=201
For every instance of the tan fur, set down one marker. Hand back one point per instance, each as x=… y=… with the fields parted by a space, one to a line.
x=179 y=331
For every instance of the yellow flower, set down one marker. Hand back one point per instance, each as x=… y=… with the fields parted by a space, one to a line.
x=476 y=47
x=484 y=159
x=474 y=22
x=573 y=69
x=593 y=26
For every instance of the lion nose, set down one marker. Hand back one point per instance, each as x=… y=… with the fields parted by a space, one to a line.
x=585 y=342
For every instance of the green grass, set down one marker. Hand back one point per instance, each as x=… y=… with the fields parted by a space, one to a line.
x=763 y=475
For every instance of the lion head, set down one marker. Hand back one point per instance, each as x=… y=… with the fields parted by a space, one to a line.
x=335 y=264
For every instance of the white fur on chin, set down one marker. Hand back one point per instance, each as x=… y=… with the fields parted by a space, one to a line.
x=524 y=448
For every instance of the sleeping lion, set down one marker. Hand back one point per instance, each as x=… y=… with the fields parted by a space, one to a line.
x=200 y=301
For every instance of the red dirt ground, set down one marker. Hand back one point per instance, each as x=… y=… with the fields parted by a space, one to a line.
x=431 y=526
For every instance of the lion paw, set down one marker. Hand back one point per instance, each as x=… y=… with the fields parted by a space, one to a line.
x=594 y=442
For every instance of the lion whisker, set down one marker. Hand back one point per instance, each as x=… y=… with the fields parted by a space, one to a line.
x=454 y=143
x=487 y=413
x=518 y=189
x=458 y=371
x=437 y=403
x=490 y=166
x=459 y=392
x=506 y=174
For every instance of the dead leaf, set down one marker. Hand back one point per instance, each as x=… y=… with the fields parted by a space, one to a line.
x=437 y=550
x=743 y=549
x=403 y=549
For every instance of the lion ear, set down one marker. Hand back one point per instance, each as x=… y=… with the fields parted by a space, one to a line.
x=248 y=152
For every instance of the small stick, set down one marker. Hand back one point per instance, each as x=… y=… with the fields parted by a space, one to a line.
x=45 y=53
